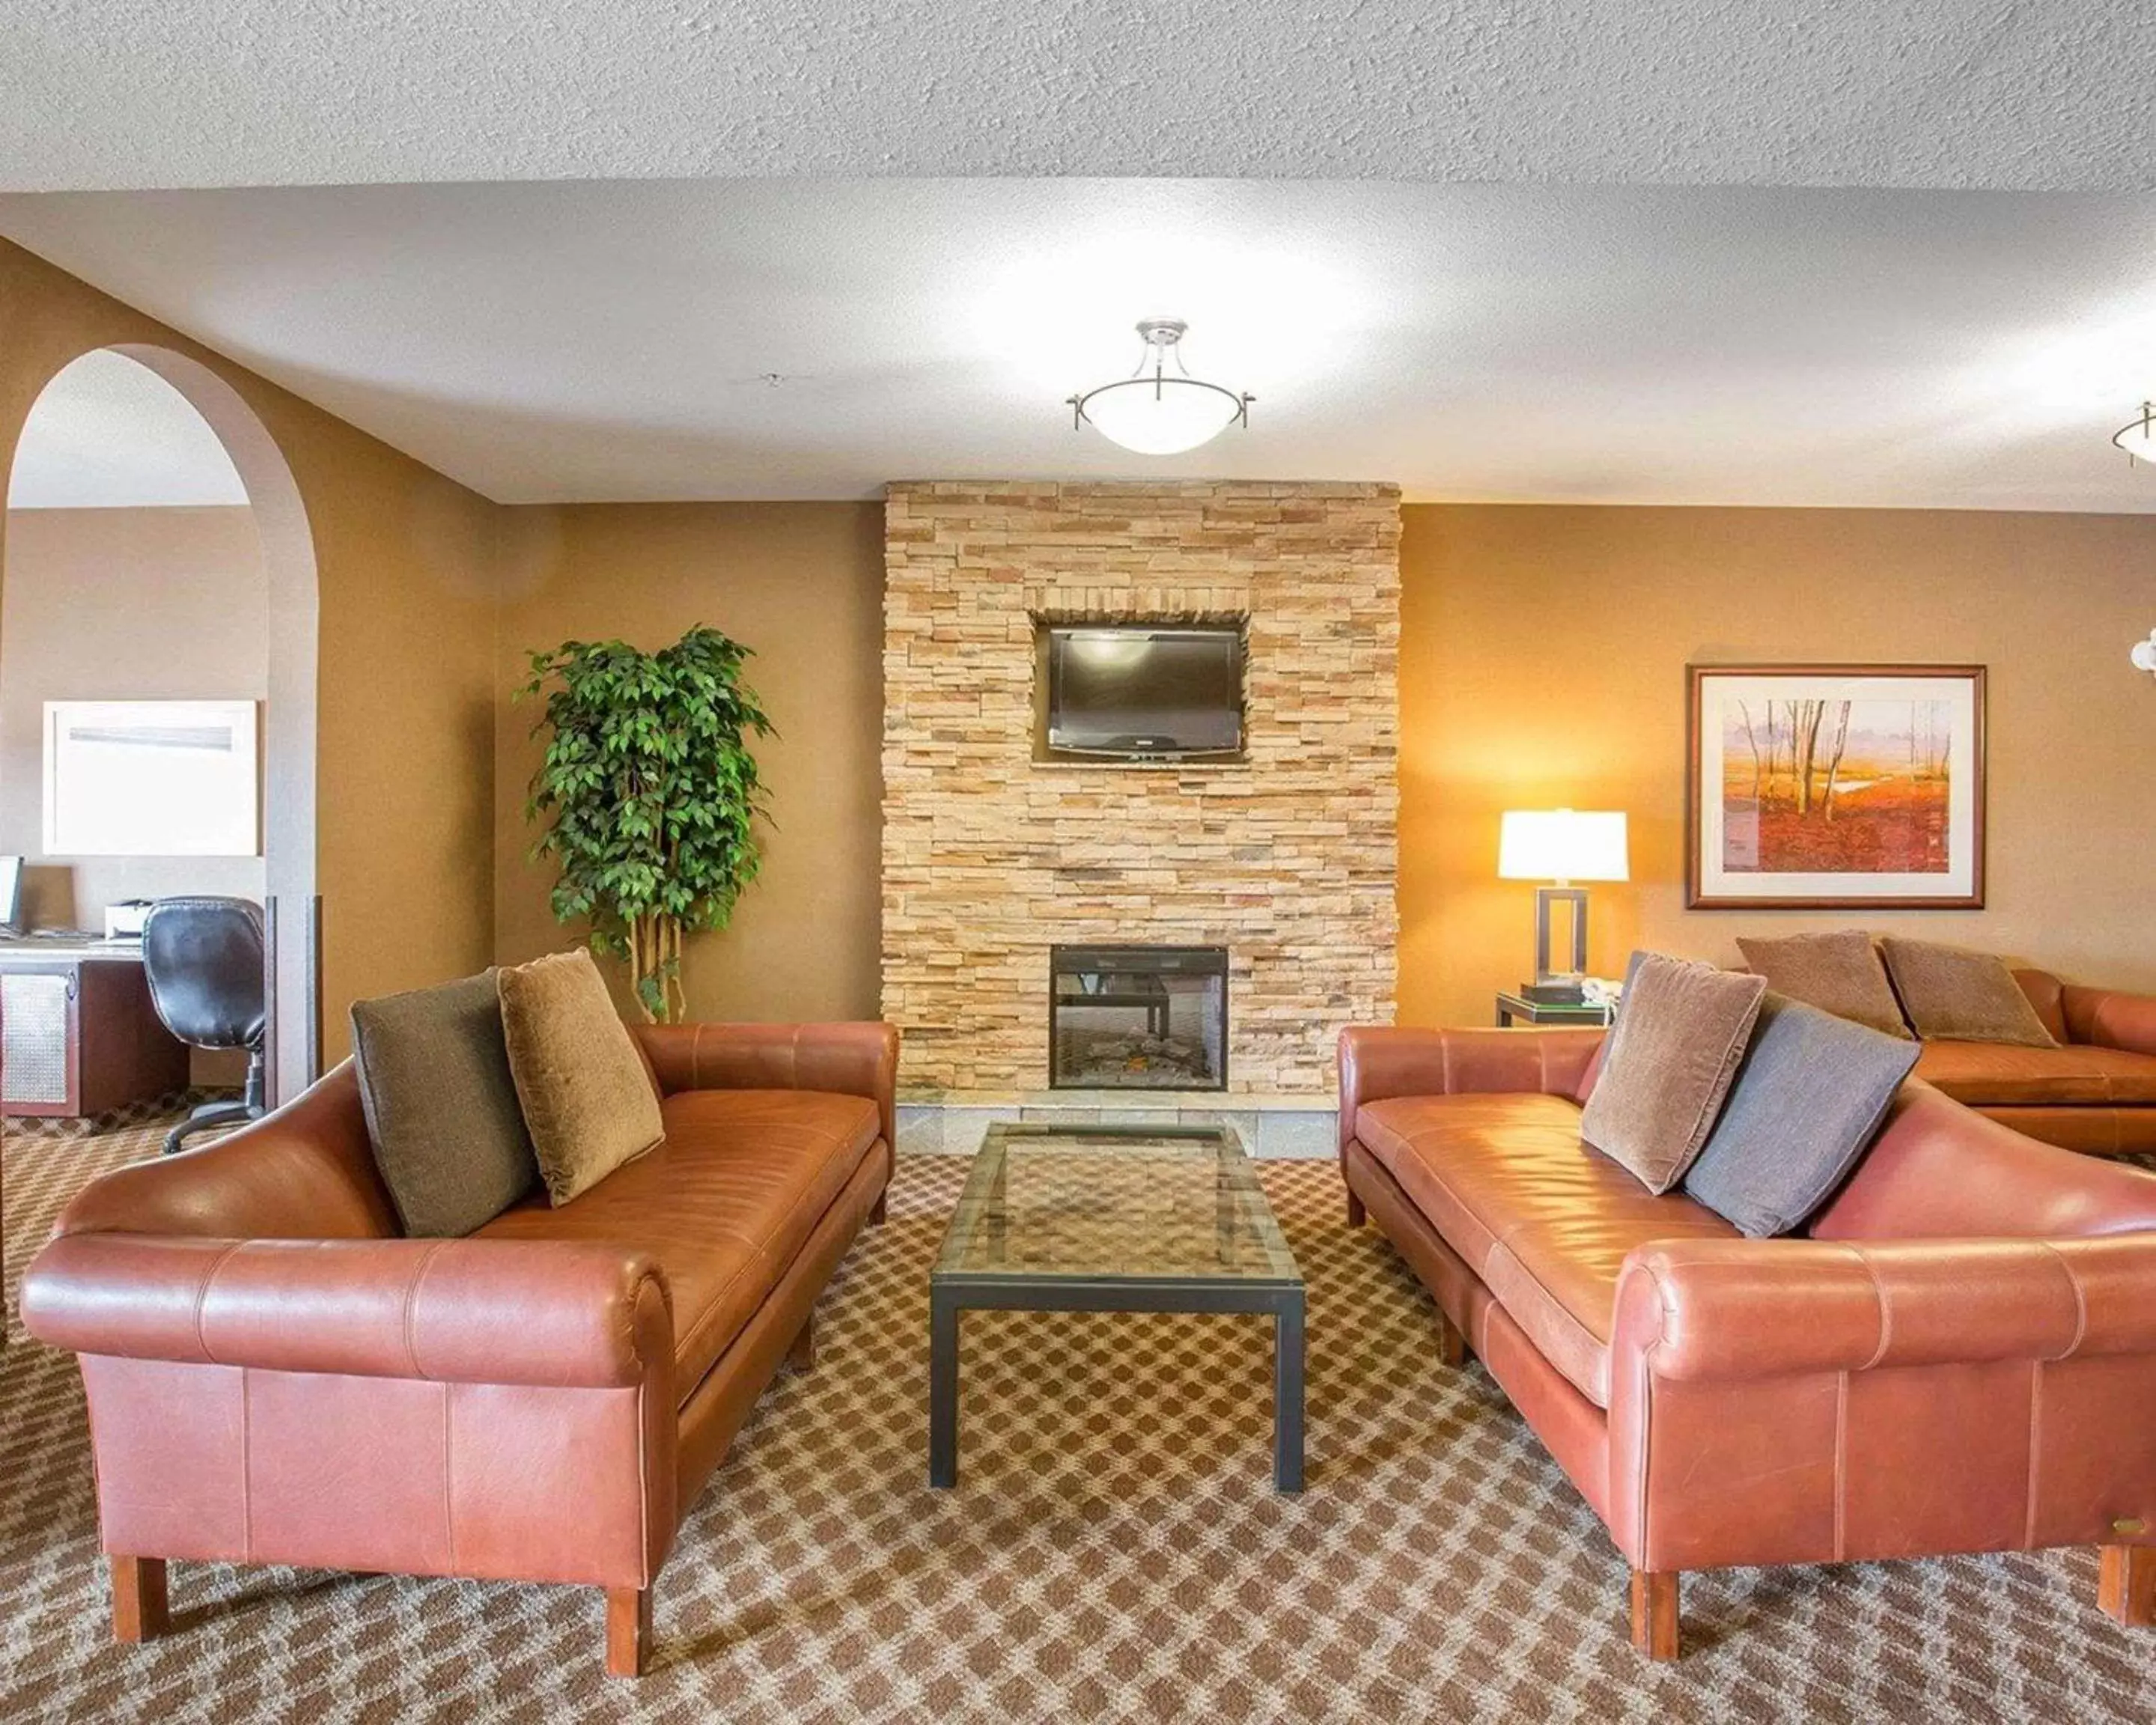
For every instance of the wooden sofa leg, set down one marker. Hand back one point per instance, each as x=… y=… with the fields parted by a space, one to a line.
x=1655 y=1613
x=1451 y=1343
x=2125 y=1585
x=139 y=1607
x=881 y=1208
x=1356 y=1212
x=628 y=1630
x=802 y=1354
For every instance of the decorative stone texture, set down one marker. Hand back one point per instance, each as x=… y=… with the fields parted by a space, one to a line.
x=1287 y=857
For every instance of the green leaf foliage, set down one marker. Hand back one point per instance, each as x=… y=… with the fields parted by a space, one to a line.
x=649 y=795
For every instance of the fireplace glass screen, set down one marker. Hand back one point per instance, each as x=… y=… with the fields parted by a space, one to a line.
x=1137 y=1018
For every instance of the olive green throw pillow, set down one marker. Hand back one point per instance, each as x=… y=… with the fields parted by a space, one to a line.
x=442 y=1114
x=1680 y=1032
x=1955 y=995
x=587 y=1093
x=1840 y=973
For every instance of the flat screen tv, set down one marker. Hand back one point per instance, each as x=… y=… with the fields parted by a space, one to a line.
x=1138 y=690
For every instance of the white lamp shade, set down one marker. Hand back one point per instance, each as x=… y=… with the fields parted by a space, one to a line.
x=1563 y=844
x=2144 y=655
x=1160 y=416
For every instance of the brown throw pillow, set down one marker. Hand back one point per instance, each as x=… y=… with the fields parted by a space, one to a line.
x=442 y=1113
x=1955 y=995
x=587 y=1093
x=1680 y=1032
x=1840 y=973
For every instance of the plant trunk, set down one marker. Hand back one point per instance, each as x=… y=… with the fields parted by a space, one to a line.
x=654 y=969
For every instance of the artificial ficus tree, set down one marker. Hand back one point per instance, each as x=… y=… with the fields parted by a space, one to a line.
x=650 y=794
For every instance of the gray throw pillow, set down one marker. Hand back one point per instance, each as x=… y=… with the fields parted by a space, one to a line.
x=1805 y=1105
x=1680 y=1030
x=441 y=1106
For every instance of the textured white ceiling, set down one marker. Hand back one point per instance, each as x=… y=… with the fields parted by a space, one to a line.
x=587 y=341
x=2014 y=94
x=109 y=434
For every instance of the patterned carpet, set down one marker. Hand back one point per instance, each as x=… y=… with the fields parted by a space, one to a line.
x=1113 y=1551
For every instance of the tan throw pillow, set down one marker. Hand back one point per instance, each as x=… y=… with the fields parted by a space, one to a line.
x=1955 y=995
x=586 y=1094
x=1680 y=1035
x=1840 y=973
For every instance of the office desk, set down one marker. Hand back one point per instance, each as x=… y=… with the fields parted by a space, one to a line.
x=78 y=1035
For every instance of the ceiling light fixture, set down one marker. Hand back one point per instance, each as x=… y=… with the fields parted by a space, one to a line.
x=2139 y=437
x=2144 y=654
x=1156 y=412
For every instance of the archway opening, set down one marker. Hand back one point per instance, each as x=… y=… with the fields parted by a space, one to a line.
x=157 y=553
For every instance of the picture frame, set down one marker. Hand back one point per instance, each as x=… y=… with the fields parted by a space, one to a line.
x=153 y=778
x=1835 y=787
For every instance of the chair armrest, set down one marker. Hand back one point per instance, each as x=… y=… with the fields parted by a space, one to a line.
x=2108 y=1018
x=847 y=1059
x=550 y=1313
x=1379 y=1061
x=1725 y=1311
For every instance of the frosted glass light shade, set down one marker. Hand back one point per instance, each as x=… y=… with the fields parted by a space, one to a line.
x=2144 y=654
x=1160 y=416
x=1563 y=844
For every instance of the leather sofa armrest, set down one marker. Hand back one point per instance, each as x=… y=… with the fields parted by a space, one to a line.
x=1379 y=1061
x=857 y=1059
x=2108 y=1018
x=1732 y=1310
x=550 y=1313
x=306 y=1172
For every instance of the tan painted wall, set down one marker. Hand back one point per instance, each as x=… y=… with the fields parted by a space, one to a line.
x=802 y=585
x=405 y=557
x=1542 y=665
x=120 y=604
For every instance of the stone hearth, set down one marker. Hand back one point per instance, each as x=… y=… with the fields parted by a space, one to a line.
x=1286 y=857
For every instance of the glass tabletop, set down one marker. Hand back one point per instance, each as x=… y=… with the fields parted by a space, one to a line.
x=1101 y=1203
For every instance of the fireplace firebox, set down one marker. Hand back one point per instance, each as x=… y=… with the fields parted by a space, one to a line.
x=1137 y=1018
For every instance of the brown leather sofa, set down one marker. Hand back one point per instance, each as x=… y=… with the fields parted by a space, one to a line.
x=2096 y=1092
x=275 y=1376
x=1960 y=1358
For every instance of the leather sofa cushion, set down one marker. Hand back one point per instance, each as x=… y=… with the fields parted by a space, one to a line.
x=2129 y=1131
x=2007 y=1075
x=1544 y=1221
x=725 y=1201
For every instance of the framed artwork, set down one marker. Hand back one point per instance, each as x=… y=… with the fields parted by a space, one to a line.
x=152 y=778
x=1830 y=786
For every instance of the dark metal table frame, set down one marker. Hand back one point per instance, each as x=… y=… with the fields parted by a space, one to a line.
x=1514 y=1007
x=1280 y=1297
x=1282 y=1301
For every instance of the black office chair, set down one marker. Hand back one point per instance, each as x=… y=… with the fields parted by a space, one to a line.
x=204 y=960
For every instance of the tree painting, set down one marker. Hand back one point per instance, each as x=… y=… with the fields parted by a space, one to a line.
x=1836 y=787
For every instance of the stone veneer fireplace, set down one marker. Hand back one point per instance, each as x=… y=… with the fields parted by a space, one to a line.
x=1285 y=858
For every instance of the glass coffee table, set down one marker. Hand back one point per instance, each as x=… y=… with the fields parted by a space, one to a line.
x=1096 y=1219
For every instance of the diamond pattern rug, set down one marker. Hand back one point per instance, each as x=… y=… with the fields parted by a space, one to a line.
x=1114 y=1550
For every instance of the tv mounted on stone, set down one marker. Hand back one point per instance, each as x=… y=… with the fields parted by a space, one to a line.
x=1143 y=691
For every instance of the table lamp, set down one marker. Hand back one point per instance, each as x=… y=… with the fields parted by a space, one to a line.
x=1561 y=845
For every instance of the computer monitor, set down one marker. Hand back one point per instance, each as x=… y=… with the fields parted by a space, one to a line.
x=11 y=895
